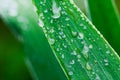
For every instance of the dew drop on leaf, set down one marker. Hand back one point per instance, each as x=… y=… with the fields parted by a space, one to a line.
x=40 y=22
x=56 y=10
x=67 y=19
x=88 y=67
x=52 y=41
x=72 y=62
x=107 y=51
x=74 y=53
x=97 y=77
x=45 y=11
x=106 y=62
x=74 y=34
x=78 y=56
x=80 y=36
x=63 y=56
x=85 y=51
x=90 y=46
x=70 y=73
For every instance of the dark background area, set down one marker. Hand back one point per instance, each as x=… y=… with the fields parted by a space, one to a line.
x=12 y=64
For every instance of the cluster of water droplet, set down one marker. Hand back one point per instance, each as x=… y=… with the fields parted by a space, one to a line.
x=65 y=37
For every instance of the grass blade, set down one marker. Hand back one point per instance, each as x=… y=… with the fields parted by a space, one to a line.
x=80 y=49
x=20 y=16
x=106 y=18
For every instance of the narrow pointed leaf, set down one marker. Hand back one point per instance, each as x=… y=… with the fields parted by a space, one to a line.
x=79 y=48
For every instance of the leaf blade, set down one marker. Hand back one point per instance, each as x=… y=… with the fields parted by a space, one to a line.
x=71 y=37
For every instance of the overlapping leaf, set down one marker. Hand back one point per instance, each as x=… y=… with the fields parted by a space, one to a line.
x=105 y=17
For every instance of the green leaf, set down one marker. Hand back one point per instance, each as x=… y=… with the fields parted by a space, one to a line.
x=79 y=48
x=105 y=17
x=22 y=20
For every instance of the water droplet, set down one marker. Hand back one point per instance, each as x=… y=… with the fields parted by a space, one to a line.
x=60 y=37
x=70 y=73
x=106 y=62
x=78 y=60
x=40 y=22
x=52 y=31
x=72 y=1
x=93 y=72
x=63 y=3
x=85 y=55
x=84 y=27
x=74 y=34
x=98 y=38
x=51 y=21
x=85 y=51
x=100 y=49
x=83 y=41
x=57 y=49
x=41 y=16
x=63 y=56
x=52 y=41
x=107 y=51
x=88 y=67
x=68 y=24
x=61 y=33
x=72 y=62
x=74 y=53
x=89 y=38
x=106 y=45
x=78 y=56
x=67 y=19
x=95 y=61
x=111 y=54
x=64 y=36
x=56 y=10
x=94 y=40
x=63 y=12
x=64 y=45
x=41 y=2
x=72 y=40
x=44 y=1
x=81 y=36
x=45 y=11
x=90 y=46
x=97 y=77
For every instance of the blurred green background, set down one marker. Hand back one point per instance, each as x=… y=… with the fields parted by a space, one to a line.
x=12 y=64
